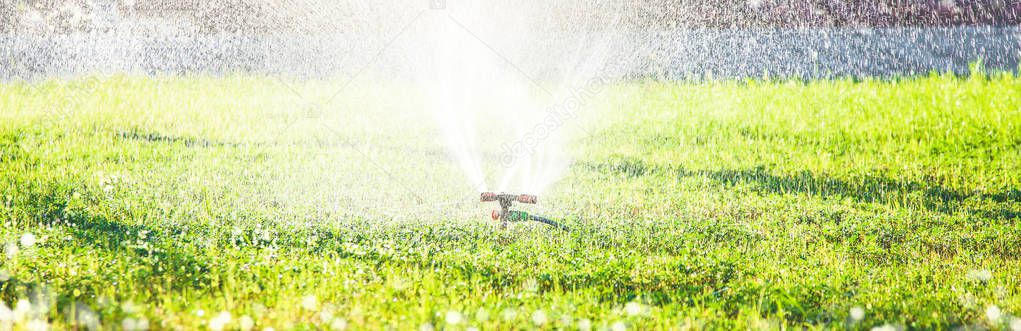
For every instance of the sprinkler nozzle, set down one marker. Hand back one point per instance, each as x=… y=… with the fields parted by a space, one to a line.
x=505 y=215
x=527 y=198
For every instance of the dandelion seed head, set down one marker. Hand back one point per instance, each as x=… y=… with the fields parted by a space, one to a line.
x=6 y=314
x=539 y=317
x=983 y=275
x=220 y=321
x=22 y=309
x=130 y=324
x=566 y=320
x=310 y=302
x=338 y=324
x=12 y=251
x=482 y=315
x=857 y=314
x=246 y=323
x=509 y=314
x=633 y=308
x=454 y=317
x=584 y=324
x=28 y=240
x=37 y=325
x=326 y=315
x=129 y=307
x=884 y=327
x=993 y=313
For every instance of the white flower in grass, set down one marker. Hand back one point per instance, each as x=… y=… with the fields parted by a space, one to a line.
x=1015 y=325
x=566 y=320
x=633 y=308
x=618 y=326
x=37 y=325
x=584 y=324
x=993 y=313
x=309 y=302
x=6 y=314
x=983 y=275
x=246 y=323
x=220 y=321
x=454 y=317
x=12 y=251
x=28 y=240
x=482 y=315
x=269 y=328
x=426 y=327
x=128 y=324
x=884 y=327
x=22 y=309
x=326 y=314
x=338 y=324
x=857 y=314
x=539 y=317
x=509 y=314
x=132 y=324
x=129 y=307
x=471 y=328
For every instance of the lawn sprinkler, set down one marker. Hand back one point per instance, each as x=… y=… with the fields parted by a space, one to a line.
x=505 y=215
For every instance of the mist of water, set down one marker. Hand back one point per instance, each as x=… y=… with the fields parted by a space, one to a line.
x=505 y=84
x=496 y=86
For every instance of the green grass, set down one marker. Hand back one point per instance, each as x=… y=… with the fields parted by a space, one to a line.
x=718 y=205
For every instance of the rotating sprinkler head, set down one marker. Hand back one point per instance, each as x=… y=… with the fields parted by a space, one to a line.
x=505 y=215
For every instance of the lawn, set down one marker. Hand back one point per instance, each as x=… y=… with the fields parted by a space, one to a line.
x=249 y=202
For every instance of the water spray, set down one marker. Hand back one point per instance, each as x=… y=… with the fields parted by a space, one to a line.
x=505 y=215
